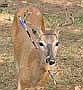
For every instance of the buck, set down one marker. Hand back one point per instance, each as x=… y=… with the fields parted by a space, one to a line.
x=35 y=48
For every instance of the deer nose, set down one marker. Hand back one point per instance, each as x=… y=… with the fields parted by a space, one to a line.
x=50 y=60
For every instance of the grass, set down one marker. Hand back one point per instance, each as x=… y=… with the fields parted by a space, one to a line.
x=78 y=21
x=56 y=19
x=3 y=11
x=68 y=56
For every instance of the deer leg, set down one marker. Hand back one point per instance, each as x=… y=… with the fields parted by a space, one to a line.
x=19 y=86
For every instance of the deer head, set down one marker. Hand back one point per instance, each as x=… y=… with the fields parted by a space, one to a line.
x=47 y=43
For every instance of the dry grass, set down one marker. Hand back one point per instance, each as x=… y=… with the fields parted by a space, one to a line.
x=69 y=62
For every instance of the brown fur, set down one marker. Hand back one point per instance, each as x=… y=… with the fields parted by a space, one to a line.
x=31 y=71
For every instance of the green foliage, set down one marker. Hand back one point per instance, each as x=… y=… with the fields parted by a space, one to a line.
x=54 y=18
x=58 y=19
x=3 y=11
x=68 y=53
x=78 y=20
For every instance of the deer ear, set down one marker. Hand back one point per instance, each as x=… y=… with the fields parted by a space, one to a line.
x=42 y=24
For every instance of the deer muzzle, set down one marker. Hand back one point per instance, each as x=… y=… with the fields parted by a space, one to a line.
x=49 y=57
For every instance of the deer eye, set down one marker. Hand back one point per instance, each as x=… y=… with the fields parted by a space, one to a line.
x=57 y=43
x=41 y=44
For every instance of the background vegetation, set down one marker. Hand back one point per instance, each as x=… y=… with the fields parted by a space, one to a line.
x=69 y=62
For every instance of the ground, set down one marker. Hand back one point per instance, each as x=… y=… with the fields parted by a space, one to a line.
x=69 y=60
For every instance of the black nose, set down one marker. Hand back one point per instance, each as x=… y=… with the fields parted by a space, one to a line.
x=50 y=60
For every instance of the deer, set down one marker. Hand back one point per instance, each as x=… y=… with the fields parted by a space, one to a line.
x=35 y=48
